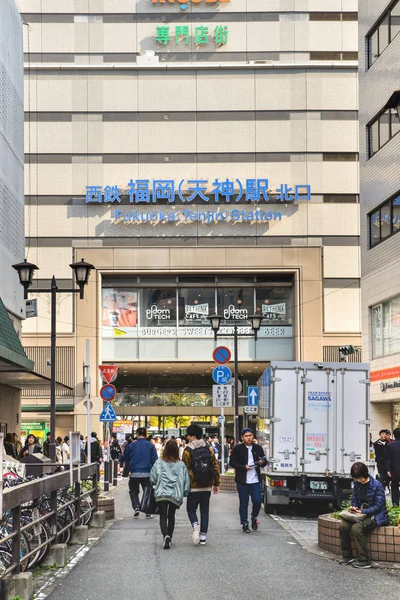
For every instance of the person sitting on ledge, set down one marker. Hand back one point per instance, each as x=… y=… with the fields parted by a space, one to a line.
x=368 y=499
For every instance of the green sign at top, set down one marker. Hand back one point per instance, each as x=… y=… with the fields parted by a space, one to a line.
x=202 y=35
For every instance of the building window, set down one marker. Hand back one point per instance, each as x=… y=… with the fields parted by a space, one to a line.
x=384 y=221
x=386 y=328
x=382 y=129
x=384 y=32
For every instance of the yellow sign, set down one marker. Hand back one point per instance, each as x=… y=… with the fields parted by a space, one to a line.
x=119 y=332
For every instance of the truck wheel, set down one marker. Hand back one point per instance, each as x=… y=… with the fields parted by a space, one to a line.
x=268 y=508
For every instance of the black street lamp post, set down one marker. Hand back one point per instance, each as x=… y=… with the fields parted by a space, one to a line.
x=255 y=325
x=25 y=271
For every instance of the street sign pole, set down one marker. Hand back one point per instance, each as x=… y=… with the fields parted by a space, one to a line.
x=107 y=462
x=236 y=359
x=222 y=440
x=87 y=386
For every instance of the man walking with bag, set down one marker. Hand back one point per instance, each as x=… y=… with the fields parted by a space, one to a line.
x=141 y=456
x=247 y=459
x=202 y=465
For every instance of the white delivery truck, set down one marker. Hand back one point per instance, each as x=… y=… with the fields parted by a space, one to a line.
x=314 y=424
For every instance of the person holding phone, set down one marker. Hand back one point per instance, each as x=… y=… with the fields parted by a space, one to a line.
x=368 y=499
x=247 y=459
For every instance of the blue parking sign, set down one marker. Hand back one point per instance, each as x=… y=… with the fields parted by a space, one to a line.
x=222 y=375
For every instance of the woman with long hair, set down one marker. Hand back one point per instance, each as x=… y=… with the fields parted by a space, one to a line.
x=31 y=446
x=171 y=479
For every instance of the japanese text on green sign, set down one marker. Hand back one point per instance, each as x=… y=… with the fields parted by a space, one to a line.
x=202 y=35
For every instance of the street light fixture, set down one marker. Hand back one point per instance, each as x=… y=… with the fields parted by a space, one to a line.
x=255 y=325
x=215 y=324
x=25 y=272
x=82 y=272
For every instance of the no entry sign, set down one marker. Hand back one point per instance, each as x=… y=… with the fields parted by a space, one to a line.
x=221 y=355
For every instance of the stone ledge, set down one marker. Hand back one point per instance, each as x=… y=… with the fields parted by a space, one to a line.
x=227 y=483
x=383 y=543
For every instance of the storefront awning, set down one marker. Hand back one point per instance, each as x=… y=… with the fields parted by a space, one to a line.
x=28 y=380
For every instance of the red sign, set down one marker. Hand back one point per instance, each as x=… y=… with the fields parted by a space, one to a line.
x=222 y=355
x=108 y=372
x=385 y=374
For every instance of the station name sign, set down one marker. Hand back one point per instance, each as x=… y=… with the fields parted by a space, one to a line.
x=144 y=191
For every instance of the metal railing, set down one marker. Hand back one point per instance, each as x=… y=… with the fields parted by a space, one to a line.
x=39 y=513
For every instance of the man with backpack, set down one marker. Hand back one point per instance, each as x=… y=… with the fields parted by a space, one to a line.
x=202 y=465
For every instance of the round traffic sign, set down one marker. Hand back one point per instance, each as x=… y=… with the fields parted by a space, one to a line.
x=108 y=392
x=222 y=375
x=222 y=355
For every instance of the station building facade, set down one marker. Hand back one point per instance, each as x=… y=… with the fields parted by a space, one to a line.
x=204 y=159
x=379 y=43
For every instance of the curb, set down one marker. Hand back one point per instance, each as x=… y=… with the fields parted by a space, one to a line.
x=49 y=585
x=316 y=551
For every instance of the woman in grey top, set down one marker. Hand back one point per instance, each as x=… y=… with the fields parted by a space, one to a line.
x=171 y=479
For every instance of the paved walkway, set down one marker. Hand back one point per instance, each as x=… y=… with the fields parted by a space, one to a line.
x=129 y=562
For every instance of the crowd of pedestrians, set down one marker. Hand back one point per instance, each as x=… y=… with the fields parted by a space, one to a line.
x=166 y=472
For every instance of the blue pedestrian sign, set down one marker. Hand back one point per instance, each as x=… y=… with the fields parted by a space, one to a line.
x=222 y=375
x=252 y=396
x=108 y=414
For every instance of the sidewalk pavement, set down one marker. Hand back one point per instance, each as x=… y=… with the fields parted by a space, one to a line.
x=129 y=561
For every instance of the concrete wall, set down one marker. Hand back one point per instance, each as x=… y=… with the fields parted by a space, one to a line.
x=379 y=181
x=12 y=157
x=10 y=409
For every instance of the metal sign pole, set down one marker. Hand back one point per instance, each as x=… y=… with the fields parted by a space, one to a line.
x=222 y=440
x=87 y=385
x=106 y=462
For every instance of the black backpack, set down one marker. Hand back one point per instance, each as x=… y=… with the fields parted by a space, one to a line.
x=202 y=466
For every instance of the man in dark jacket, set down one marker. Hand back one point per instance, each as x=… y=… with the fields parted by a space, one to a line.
x=380 y=457
x=46 y=445
x=247 y=459
x=392 y=452
x=96 y=452
x=370 y=493
x=141 y=456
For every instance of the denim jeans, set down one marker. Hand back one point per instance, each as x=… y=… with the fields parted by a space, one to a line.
x=246 y=491
x=134 y=483
x=194 y=500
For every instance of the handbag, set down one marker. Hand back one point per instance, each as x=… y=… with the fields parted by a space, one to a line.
x=352 y=517
x=148 y=504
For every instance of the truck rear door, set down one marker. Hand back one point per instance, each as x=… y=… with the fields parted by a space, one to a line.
x=285 y=415
x=317 y=420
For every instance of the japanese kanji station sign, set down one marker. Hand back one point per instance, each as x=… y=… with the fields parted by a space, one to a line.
x=144 y=191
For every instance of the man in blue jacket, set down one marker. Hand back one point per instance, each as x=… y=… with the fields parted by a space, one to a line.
x=368 y=499
x=141 y=456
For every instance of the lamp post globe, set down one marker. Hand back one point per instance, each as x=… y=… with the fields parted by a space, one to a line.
x=256 y=322
x=215 y=323
x=82 y=272
x=25 y=272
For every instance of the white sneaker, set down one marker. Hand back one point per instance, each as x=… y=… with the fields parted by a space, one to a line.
x=196 y=534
